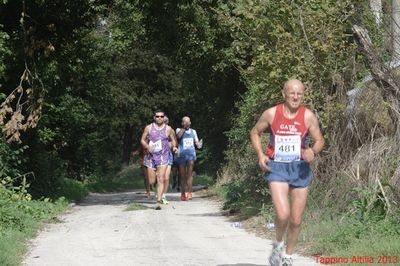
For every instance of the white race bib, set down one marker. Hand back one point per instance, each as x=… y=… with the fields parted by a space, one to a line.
x=156 y=146
x=188 y=143
x=287 y=148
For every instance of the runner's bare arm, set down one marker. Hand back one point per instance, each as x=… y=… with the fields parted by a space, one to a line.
x=180 y=133
x=172 y=138
x=143 y=139
x=316 y=135
x=262 y=124
x=198 y=143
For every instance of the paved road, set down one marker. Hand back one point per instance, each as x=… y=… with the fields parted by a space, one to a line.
x=100 y=232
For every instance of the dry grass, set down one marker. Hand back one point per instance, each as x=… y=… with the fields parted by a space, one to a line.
x=362 y=152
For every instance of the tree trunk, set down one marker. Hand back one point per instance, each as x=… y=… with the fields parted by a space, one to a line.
x=376 y=8
x=127 y=145
x=396 y=30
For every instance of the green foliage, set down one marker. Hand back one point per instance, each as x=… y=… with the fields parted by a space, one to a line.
x=4 y=51
x=369 y=206
x=101 y=68
x=350 y=235
x=204 y=160
x=247 y=198
x=19 y=215
x=19 y=220
x=127 y=178
x=11 y=160
x=72 y=190
x=190 y=35
x=135 y=207
x=46 y=135
x=203 y=180
x=109 y=185
x=281 y=40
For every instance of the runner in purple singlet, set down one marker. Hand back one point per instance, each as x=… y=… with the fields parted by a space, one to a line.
x=155 y=139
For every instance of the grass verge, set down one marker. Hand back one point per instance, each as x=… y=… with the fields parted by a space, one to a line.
x=351 y=238
x=19 y=221
x=205 y=180
x=135 y=207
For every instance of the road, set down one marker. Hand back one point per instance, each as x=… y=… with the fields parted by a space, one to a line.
x=100 y=231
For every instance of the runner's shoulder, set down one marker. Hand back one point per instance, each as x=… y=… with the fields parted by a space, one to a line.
x=169 y=128
x=310 y=117
x=269 y=114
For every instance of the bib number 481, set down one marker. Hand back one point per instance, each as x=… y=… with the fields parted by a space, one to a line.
x=287 y=148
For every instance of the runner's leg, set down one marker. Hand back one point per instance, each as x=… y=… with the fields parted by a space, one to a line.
x=179 y=177
x=160 y=180
x=189 y=173
x=174 y=177
x=151 y=175
x=279 y=194
x=298 y=199
x=166 y=180
x=182 y=176
x=146 y=180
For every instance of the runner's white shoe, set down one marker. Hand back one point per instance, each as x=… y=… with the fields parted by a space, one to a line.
x=287 y=261
x=276 y=255
x=164 y=200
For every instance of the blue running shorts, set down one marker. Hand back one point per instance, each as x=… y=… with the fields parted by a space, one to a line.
x=170 y=158
x=297 y=173
x=185 y=157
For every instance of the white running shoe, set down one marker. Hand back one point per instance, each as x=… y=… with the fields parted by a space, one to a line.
x=286 y=261
x=276 y=255
x=164 y=200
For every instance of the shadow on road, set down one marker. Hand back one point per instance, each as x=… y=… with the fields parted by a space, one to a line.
x=118 y=198
x=127 y=197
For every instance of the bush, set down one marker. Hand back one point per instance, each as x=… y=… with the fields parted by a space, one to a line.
x=244 y=196
x=20 y=218
x=72 y=190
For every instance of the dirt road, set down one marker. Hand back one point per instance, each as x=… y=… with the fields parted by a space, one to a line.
x=100 y=232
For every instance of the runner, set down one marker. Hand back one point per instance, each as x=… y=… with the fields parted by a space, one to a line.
x=286 y=163
x=155 y=139
x=170 y=162
x=142 y=153
x=176 y=179
x=187 y=138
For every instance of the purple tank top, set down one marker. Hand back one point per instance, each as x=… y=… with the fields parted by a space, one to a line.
x=158 y=138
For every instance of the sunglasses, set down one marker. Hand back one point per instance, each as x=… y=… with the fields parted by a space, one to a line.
x=159 y=116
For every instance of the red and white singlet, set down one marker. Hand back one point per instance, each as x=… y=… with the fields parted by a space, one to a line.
x=288 y=136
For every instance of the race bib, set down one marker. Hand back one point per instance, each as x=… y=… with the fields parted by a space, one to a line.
x=188 y=143
x=156 y=146
x=287 y=148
